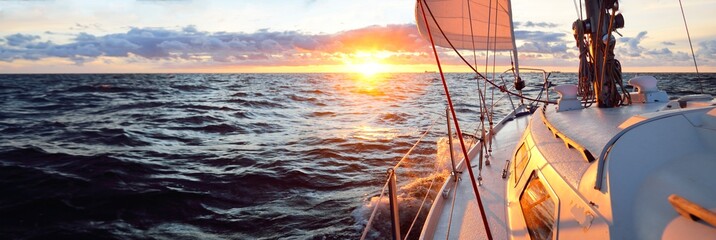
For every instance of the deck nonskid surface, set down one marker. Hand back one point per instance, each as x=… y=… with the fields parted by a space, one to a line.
x=466 y=221
x=594 y=127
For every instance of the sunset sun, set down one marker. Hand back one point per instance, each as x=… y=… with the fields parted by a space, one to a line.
x=370 y=68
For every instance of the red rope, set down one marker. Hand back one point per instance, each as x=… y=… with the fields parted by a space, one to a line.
x=457 y=127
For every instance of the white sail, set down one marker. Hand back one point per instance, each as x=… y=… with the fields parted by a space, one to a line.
x=491 y=23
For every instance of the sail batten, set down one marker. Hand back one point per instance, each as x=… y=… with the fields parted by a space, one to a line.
x=491 y=26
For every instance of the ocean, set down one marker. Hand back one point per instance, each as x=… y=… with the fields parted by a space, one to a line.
x=230 y=156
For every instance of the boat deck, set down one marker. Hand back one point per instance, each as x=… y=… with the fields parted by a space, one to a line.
x=596 y=125
x=466 y=222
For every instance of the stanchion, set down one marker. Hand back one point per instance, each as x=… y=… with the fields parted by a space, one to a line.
x=394 y=215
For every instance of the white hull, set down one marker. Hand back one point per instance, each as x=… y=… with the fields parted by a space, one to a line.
x=607 y=174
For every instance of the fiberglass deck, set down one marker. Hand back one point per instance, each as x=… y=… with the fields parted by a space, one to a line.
x=466 y=221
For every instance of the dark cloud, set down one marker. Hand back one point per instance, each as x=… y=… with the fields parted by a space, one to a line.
x=20 y=39
x=668 y=43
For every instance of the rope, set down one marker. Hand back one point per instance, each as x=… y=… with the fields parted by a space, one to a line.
x=586 y=73
x=614 y=76
x=692 y=46
x=457 y=124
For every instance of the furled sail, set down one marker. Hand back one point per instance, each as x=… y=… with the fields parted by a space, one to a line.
x=491 y=23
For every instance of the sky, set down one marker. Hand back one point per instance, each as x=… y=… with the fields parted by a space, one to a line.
x=127 y=36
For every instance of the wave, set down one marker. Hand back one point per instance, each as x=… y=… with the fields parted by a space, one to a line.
x=104 y=136
x=322 y=114
x=190 y=88
x=103 y=88
x=204 y=107
x=393 y=117
x=409 y=197
x=301 y=99
x=214 y=128
x=257 y=103
x=196 y=119
x=314 y=92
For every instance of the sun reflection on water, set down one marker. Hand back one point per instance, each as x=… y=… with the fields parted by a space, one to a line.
x=370 y=84
x=371 y=133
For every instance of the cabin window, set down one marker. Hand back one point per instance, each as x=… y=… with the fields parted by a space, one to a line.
x=521 y=158
x=538 y=208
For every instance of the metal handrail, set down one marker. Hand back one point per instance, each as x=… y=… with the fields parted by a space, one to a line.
x=601 y=161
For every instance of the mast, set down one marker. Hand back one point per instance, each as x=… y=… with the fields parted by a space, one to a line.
x=593 y=10
x=605 y=68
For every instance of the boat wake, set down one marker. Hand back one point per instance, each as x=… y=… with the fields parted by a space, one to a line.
x=419 y=184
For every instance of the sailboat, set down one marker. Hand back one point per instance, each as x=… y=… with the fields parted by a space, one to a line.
x=600 y=162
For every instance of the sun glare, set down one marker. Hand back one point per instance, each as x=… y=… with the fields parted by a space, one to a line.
x=370 y=68
x=367 y=63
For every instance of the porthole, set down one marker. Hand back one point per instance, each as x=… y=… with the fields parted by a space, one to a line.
x=522 y=156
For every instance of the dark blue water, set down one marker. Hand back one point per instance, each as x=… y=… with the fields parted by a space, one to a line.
x=224 y=156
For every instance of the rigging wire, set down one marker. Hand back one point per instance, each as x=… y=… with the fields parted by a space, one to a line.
x=416 y=143
x=692 y=46
x=457 y=124
x=578 y=11
x=382 y=193
x=502 y=89
x=487 y=42
x=372 y=215
x=481 y=94
x=492 y=98
x=421 y=207
x=452 y=209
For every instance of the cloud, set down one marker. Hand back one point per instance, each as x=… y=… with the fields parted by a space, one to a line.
x=20 y=39
x=707 y=50
x=85 y=27
x=398 y=44
x=630 y=45
x=542 y=42
x=630 y=49
x=190 y=44
x=530 y=24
